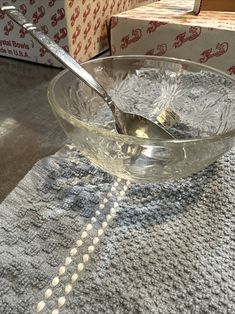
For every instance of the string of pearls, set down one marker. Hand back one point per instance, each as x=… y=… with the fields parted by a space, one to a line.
x=80 y=267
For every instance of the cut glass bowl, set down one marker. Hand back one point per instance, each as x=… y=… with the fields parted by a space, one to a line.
x=202 y=98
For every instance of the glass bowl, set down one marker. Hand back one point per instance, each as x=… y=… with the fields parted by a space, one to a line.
x=202 y=99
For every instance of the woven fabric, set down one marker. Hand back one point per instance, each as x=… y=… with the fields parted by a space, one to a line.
x=170 y=249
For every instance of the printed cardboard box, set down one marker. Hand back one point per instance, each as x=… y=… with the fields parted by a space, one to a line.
x=79 y=26
x=170 y=28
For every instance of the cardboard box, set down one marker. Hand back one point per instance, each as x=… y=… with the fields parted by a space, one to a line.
x=79 y=26
x=169 y=28
x=214 y=5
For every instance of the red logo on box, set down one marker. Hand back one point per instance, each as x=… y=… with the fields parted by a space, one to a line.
x=153 y=25
x=23 y=9
x=76 y=34
x=42 y=51
x=75 y=15
x=86 y=12
x=66 y=48
x=51 y=3
x=112 y=6
x=221 y=48
x=88 y=44
x=105 y=7
x=37 y=15
x=96 y=10
x=87 y=30
x=2 y=14
x=97 y=25
x=231 y=70
x=77 y=50
x=127 y=40
x=71 y=3
x=23 y=32
x=60 y=35
x=58 y=16
x=8 y=27
x=159 y=51
x=193 y=33
x=44 y=28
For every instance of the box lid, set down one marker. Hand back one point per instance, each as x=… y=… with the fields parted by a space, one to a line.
x=169 y=11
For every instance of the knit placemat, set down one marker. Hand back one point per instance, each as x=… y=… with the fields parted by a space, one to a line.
x=75 y=240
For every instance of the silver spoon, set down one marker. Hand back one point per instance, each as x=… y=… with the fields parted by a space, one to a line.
x=126 y=123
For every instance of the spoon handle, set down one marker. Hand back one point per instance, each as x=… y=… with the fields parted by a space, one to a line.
x=56 y=51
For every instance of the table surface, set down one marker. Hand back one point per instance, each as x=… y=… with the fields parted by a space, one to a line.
x=28 y=128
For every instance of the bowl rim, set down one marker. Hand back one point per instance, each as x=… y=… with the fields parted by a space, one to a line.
x=144 y=141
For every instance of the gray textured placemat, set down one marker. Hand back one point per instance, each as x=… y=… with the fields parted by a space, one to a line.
x=170 y=249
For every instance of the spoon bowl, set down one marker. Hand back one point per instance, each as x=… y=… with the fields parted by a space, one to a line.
x=138 y=126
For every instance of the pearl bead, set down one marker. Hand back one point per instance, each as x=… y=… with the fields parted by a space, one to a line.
x=67 y=289
x=80 y=267
x=62 y=270
x=93 y=220
x=122 y=193
x=100 y=232
x=61 y=301
x=74 y=277
x=125 y=188
x=115 y=204
x=116 y=184
x=85 y=258
x=84 y=235
x=119 y=179
x=55 y=281
x=113 y=189
x=112 y=211
x=73 y=251
x=97 y=212
x=40 y=306
x=56 y=311
x=104 y=224
x=79 y=243
x=90 y=249
x=89 y=227
x=96 y=240
x=128 y=182
x=119 y=198
x=101 y=206
x=48 y=293
x=68 y=261
x=108 y=217
x=105 y=200
x=109 y=194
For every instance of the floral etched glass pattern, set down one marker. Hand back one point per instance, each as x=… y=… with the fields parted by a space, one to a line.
x=202 y=98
